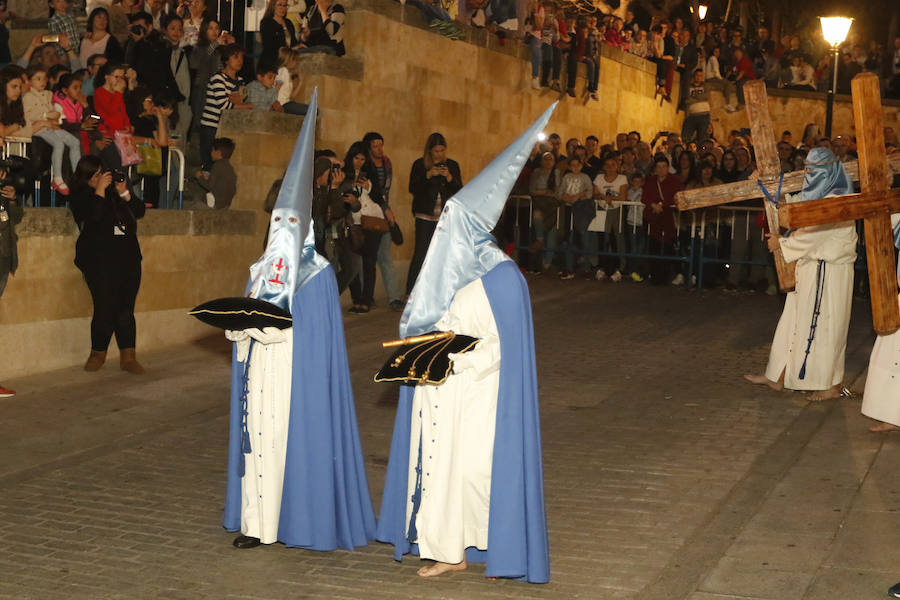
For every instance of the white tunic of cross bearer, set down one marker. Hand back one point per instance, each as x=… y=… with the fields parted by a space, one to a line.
x=881 y=400
x=811 y=337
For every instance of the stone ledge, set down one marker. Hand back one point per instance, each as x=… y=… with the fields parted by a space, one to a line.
x=823 y=96
x=345 y=67
x=52 y=222
x=259 y=121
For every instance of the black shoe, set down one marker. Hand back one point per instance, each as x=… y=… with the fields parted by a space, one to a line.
x=353 y=309
x=244 y=542
x=894 y=592
x=397 y=305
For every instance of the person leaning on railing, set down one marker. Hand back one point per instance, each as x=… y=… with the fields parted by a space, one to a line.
x=544 y=189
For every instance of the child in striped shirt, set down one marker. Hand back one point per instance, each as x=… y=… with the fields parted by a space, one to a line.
x=224 y=92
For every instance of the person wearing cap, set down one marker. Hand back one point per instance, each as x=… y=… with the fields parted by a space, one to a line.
x=464 y=480
x=811 y=338
x=295 y=466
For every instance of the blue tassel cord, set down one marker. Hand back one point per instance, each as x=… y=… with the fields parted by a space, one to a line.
x=412 y=533
x=245 y=433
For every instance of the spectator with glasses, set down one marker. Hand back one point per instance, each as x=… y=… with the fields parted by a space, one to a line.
x=276 y=31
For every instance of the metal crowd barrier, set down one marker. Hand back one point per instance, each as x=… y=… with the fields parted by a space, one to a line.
x=18 y=146
x=684 y=246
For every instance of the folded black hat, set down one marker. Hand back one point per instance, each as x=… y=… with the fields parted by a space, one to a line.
x=242 y=313
x=425 y=361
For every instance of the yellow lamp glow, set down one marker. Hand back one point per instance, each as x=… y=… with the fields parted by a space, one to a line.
x=703 y=9
x=834 y=29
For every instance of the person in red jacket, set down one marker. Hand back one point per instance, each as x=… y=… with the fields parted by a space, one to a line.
x=741 y=72
x=659 y=204
x=110 y=106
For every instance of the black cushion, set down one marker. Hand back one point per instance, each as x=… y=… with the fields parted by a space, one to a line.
x=425 y=362
x=242 y=313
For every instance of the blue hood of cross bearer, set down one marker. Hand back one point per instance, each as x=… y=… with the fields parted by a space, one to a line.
x=290 y=258
x=825 y=176
x=463 y=249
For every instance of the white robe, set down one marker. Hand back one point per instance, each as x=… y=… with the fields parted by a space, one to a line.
x=836 y=245
x=268 y=414
x=881 y=399
x=455 y=422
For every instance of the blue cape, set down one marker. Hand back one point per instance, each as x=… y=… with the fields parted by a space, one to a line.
x=325 y=503
x=517 y=527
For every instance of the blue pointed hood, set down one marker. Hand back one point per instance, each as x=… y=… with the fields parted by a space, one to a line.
x=290 y=258
x=463 y=249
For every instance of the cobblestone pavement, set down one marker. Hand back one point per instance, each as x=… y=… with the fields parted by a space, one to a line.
x=666 y=476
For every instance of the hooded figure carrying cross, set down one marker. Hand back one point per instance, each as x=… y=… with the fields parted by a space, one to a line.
x=811 y=337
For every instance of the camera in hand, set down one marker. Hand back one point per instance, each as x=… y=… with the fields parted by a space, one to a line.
x=117 y=176
x=136 y=29
x=16 y=175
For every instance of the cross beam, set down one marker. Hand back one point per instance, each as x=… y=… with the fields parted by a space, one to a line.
x=874 y=205
x=749 y=190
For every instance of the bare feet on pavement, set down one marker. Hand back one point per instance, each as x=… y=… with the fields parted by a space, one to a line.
x=883 y=428
x=829 y=394
x=440 y=568
x=763 y=380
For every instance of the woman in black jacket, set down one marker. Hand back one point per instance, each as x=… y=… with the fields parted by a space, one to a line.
x=357 y=182
x=109 y=257
x=276 y=31
x=433 y=179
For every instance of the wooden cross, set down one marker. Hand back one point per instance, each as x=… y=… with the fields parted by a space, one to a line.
x=874 y=206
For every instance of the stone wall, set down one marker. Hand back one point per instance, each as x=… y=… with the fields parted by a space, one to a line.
x=792 y=110
x=189 y=257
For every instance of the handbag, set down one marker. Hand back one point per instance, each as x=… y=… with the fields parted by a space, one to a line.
x=151 y=160
x=352 y=233
x=374 y=224
x=128 y=151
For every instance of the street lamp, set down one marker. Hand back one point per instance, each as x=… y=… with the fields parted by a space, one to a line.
x=834 y=30
x=702 y=11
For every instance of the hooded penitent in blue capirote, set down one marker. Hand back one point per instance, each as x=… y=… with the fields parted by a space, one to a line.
x=325 y=501
x=810 y=341
x=463 y=253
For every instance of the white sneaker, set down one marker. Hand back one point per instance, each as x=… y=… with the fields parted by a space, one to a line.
x=600 y=275
x=679 y=280
x=617 y=276
x=535 y=83
x=730 y=108
x=693 y=281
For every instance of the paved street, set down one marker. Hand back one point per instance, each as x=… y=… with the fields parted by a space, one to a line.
x=666 y=475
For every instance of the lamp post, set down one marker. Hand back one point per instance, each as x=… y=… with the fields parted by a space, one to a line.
x=701 y=11
x=834 y=30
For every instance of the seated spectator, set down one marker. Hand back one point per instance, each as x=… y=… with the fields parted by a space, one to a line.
x=93 y=65
x=97 y=39
x=551 y=58
x=847 y=70
x=741 y=72
x=220 y=184
x=696 y=108
x=321 y=28
x=38 y=53
x=715 y=81
x=262 y=94
x=109 y=104
x=194 y=14
x=585 y=50
x=69 y=102
x=222 y=93
x=639 y=46
x=12 y=111
x=149 y=119
x=276 y=31
x=288 y=81
x=801 y=75
x=60 y=22
x=44 y=122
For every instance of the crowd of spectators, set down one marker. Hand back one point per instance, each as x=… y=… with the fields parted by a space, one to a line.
x=141 y=77
x=602 y=211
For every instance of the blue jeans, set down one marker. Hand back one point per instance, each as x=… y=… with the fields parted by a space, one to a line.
x=386 y=266
x=59 y=140
x=548 y=237
x=535 y=45
x=636 y=243
x=586 y=242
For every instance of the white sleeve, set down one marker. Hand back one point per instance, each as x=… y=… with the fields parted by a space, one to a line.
x=484 y=359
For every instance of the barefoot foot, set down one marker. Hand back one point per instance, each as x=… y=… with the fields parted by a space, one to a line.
x=829 y=394
x=763 y=380
x=440 y=568
x=883 y=428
